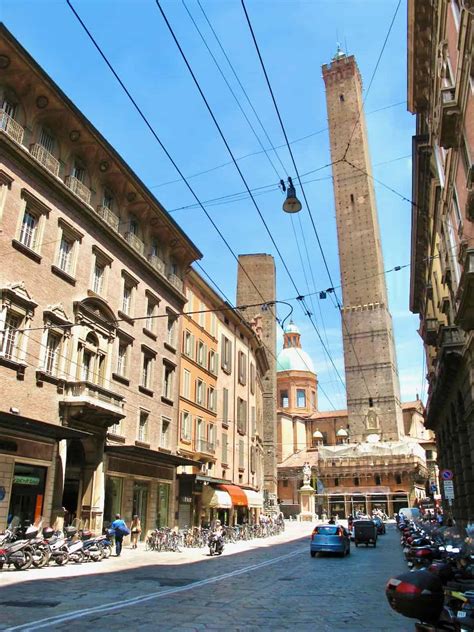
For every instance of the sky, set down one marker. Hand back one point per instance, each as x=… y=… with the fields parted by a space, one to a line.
x=295 y=38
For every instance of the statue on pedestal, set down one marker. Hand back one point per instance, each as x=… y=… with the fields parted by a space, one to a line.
x=307 y=474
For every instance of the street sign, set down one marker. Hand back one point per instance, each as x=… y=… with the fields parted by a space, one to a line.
x=446 y=475
x=448 y=487
x=433 y=488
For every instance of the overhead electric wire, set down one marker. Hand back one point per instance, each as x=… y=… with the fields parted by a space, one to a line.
x=302 y=189
x=256 y=153
x=372 y=78
x=243 y=178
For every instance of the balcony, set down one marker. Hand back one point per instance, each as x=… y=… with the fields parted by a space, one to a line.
x=429 y=330
x=465 y=313
x=135 y=242
x=47 y=159
x=451 y=344
x=450 y=117
x=205 y=447
x=108 y=216
x=175 y=281
x=11 y=127
x=93 y=402
x=79 y=189
x=157 y=263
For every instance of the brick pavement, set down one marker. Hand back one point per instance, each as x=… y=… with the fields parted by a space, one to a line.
x=295 y=592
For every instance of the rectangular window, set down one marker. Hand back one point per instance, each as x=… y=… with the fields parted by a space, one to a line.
x=213 y=328
x=241 y=415
x=199 y=392
x=87 y=368
x=143 y=426
x=252 y=378
x=65 y=254
x=300 y=398
x=201 y=355
x=253 y=420
x=186 y=426
x=241 y=454
x=225 y=405
x=29 y=230
x=211 y=436
x=224 y=448
x=146 y=370
x=79 y=173
x=107 y=200
x=189 y=305
x=202 y=314
x=11 y=337
x=284 y=401
x=46 y=141
x=127 y=299
x=213 y=362
x=188 y=344
x=186 y=392
x=168 y=375
x=226 y=354
x=165 y=440
x=98 y=278
x=457 y=211
x=242 y=361
x=151 y=313
x=52 y=353
x=122 y=359
x=211 y=399
x=171 y=329
x=9 y=108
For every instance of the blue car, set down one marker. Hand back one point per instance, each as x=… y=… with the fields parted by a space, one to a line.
x=330 y=538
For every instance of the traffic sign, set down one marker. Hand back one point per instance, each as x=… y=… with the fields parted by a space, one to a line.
x=433 y=488
x=447 y=475
x=448 y=487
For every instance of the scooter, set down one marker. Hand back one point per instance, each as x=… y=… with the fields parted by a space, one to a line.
x=216 y=544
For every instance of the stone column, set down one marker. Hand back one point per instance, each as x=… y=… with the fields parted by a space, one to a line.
x=307 y=503
x=57 y=513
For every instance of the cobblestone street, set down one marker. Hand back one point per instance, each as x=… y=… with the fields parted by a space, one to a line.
x=269 y=584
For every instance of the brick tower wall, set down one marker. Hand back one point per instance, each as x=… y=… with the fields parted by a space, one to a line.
x=373 y=391
x=261 y=270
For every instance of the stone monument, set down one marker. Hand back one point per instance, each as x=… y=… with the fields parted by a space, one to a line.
x=307 y=496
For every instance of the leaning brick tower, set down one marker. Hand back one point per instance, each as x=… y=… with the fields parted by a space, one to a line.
x=373 y=391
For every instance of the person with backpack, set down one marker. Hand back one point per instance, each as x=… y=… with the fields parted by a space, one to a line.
x=120 y=530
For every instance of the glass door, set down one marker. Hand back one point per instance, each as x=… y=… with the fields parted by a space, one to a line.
x=140 y=503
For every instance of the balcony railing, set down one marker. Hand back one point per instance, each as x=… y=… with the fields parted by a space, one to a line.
x=79 y=189
x=175 y=281
x=157 y=263
x=94 y=395
x=429 y=330
x=205 y=447
x=451 y=337
x=47 y=159
x=135 y=242
x=11 y=127
x=108 y=216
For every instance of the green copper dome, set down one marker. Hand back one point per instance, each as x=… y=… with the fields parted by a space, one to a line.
x=294 y=359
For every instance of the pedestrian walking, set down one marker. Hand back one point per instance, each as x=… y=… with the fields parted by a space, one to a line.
x=136 y=529
x=120 y=530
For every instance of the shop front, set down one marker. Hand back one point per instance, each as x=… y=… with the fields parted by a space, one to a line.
x=30 y=468
x=240 y=511
x=255 y=504
x=140 y=482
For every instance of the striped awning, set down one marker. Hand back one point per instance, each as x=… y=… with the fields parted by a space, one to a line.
x=254 y=499
x=215 y=498
x=239 y=499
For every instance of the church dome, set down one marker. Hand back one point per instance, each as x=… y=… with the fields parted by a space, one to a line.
x=291 y=328
x=294 y=359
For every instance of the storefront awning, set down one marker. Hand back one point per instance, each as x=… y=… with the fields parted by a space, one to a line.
x=239 y=499
x=17 y=423
x=254 y=499
x=215 y=498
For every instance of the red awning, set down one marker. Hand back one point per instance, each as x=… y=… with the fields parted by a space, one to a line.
x=239 y=499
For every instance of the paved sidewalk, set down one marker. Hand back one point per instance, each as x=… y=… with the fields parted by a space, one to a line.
x=138 y=558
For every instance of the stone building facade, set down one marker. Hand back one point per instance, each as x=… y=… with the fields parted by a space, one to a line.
x=256 y=283
x=90 y=291
x=373 y=391
x=223 y=364
x=440 y=93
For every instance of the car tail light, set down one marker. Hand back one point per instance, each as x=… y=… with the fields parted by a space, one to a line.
x=3 y=552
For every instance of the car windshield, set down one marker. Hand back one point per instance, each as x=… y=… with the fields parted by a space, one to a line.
x=330 y=530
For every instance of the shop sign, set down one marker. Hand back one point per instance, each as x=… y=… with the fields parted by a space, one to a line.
x=185 y=499
x=26 y=480
x=3 y=493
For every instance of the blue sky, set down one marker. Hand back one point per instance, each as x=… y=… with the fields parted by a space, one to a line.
x=295 y=39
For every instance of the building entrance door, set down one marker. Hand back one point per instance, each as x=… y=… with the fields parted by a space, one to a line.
x=26 y=502
x=140 y=504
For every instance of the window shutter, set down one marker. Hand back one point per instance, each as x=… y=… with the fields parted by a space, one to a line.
x=205 y=357
x=230 y=356
x=223 y=351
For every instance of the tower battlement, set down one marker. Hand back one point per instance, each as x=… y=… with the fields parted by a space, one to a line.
x=341 y=67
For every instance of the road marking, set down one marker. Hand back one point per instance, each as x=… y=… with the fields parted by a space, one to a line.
x=109 y=607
